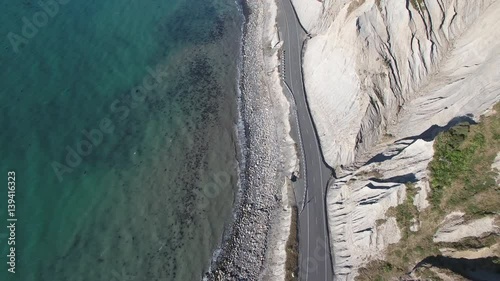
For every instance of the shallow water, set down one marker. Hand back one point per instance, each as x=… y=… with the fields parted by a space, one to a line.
x=150 y=191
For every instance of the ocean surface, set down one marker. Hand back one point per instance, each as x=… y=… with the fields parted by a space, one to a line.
x=118 y=118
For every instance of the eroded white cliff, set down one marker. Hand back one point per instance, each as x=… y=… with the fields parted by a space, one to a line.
x=454 y=228
x=358 y=202
x=382 y=77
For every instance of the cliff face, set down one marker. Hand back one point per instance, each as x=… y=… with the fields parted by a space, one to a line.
x=382 y=77
x=360 y=230
x=395 y=67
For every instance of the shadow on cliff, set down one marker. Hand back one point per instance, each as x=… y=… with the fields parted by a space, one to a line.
x=481 y=269
x=431 y=133
x=428 y=135
x=406 y=178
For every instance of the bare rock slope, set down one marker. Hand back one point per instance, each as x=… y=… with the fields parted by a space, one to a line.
x=382 y=77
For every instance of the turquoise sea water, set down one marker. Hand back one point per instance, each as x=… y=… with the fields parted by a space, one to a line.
x=121 y=174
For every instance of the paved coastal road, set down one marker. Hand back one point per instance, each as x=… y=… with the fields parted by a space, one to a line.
x=314 y=251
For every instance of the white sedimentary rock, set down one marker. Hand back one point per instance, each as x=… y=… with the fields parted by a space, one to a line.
x=453 y=228
x=309 y=12
x=420 y=200
x=380 y=74
x=281 y=223
x=496 y=167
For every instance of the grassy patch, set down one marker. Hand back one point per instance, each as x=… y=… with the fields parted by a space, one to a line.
x=461 y=180
x=461 y=176
x=417 y=4
x=451 y=160
x=471 y=243
x=292 y=251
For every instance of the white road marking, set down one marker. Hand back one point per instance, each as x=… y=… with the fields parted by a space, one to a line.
x=310 y=145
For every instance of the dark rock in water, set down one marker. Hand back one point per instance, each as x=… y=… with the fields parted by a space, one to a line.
x=295 y=176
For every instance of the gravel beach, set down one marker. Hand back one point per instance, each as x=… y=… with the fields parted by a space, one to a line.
x=262 y=207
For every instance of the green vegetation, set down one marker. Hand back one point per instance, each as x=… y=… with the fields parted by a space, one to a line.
x=405 y=212
x=370 y=174
x=292 y=251
x=418 y=4
x=377 y=3
x=461 y=180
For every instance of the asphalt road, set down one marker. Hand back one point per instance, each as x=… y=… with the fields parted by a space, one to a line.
x=314 y=251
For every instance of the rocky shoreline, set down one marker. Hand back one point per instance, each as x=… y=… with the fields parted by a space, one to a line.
x=261 y=207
